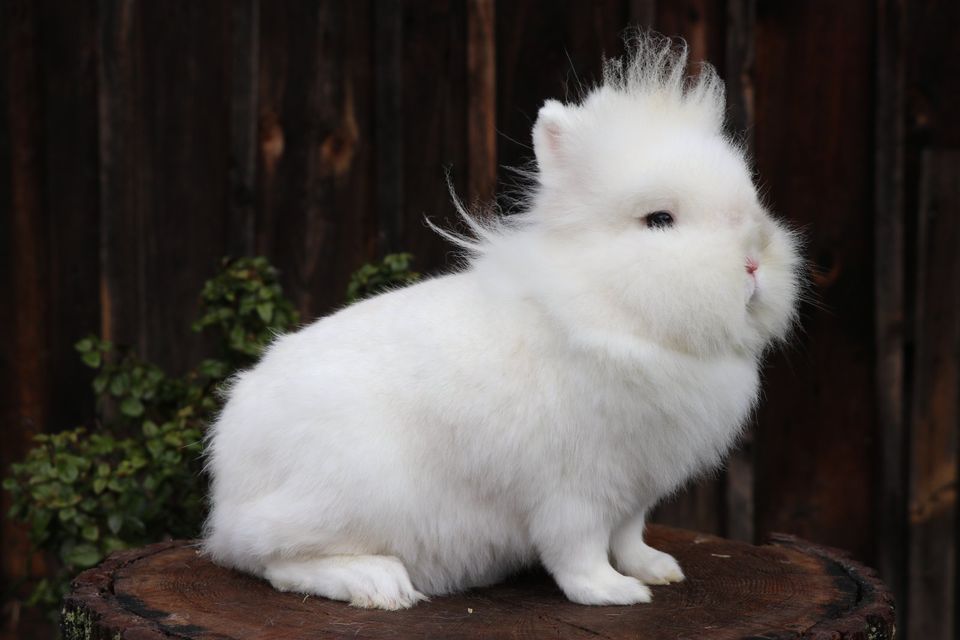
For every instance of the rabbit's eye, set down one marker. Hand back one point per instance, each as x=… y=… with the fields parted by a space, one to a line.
x=659 y=219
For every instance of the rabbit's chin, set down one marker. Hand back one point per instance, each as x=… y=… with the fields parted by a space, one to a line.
x=762 y=320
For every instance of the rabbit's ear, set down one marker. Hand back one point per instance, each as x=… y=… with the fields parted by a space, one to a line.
x=551 y=137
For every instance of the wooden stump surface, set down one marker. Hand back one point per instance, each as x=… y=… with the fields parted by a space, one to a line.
x=787 y=589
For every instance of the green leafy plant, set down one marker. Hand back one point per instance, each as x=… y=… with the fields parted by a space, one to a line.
x=135 y=476
x=392 y=272
x=245 y=307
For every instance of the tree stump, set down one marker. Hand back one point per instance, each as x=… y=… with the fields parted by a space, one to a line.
x=787 y=589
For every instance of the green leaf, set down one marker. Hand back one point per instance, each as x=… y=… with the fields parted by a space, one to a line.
x=99 y=485
x=154 y=376
x=100 y=384
x=119 y=384
x=84 y=345
x=213 y=369
x=131 y=407
x=173 y=439
x=265 y=310
x=155 y=447
x=237 y=335
x=91 y=532
x=91 y=359
x=150 y=429
x=115 y=522
x=68 y=472
x=82 y=555
x=111 y=544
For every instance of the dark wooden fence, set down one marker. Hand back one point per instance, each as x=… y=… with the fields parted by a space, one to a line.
x=142 y=140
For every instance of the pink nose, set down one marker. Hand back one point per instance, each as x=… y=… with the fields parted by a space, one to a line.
x=752 y=266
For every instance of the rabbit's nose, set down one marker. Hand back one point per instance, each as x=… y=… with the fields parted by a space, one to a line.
x=752 y=266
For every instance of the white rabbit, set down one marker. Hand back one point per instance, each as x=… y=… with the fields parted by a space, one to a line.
x=597 y=351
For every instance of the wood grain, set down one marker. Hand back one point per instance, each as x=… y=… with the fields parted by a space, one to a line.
x=890 y=293
x=700 y=23
x=932 y=59
x=547 y=50
x=481 y=100
x=183 y=121
x=789 y=589
x=435 y=126
x=931 y=56
x=68 y=102
x=816 y=429
x=24 y=358
x=123 y=293
x=244 y=43
x=935 y=415
x=388 y=63
x=315 y=208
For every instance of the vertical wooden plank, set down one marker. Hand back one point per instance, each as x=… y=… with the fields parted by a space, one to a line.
x=388 y=36
x=699 y=506
x=889 y=273
x=642 y=13
x=815 y=437
x=739 y=68
x=24 y=358
x=700 y=23
x=244 y=56
x=11 y=438
x=932 y=55
x=932 y=131
x=184 y=118
x=435 y=127
x=738 y=511
x=482 y=99
x=935 y=414
x=163 y=168
x=68 y=88
x=548 y=50
x=315 y=209
x=122 y=267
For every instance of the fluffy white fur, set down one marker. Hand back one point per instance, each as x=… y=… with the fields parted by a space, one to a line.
x=536 y=404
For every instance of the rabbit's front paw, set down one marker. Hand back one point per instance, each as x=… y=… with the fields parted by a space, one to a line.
x=604 y=586
x=651 y=566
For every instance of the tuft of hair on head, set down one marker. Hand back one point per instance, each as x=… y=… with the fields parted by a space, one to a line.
x=651 y=75
x=654 y=70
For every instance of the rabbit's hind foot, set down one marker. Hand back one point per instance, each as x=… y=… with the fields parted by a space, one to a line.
x=370 y=582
